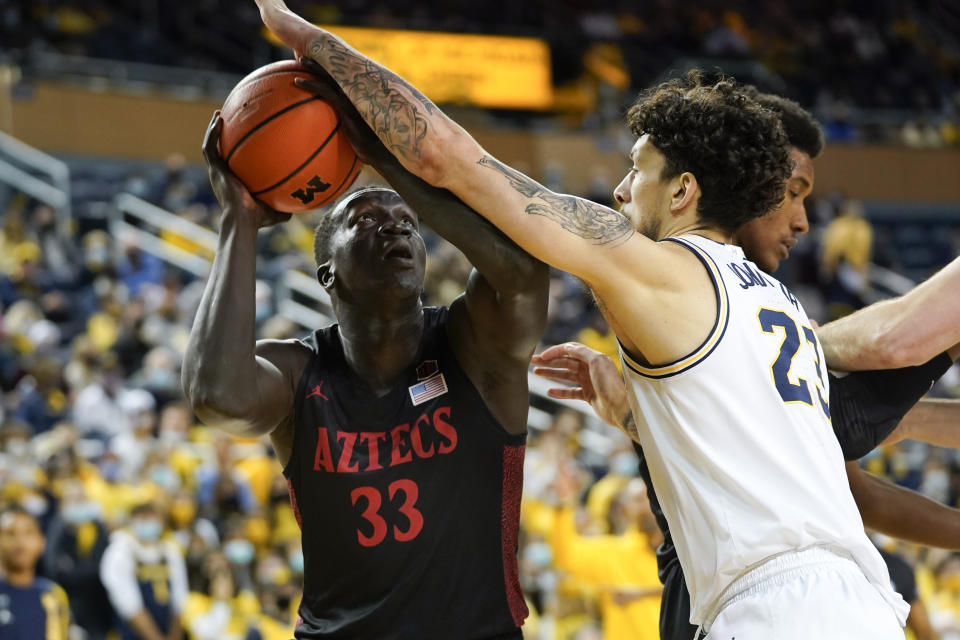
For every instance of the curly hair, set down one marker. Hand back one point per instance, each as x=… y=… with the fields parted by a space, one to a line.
x=803 y=131
x=736 y=149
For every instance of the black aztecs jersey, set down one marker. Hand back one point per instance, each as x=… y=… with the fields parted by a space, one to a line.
x=408 y=504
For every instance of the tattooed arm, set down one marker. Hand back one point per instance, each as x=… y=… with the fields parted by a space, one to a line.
x=562 y=230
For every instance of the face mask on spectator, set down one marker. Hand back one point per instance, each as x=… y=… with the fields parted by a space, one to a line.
x=539 y=554
x=147 y=529
x=624 y=464
x=172 y=437
x=164 y=477
x=81 y=512
x=238 y=551
x=162 y=379
x=18 y=447
x=295 y=558
x=35 y=504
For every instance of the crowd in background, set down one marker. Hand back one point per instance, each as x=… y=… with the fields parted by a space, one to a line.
x=93 y=426
x=872 y=71
x=94 y=432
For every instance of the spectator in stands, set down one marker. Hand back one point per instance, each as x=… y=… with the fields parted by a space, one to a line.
x=845 y=260
x=221 y=490
x=98 y=410
x=905 y=583
x=42 y=397
x=133 y=444
x=622 y=565
x=30 y=606
x=145 y=578
x=136 y=268
x=76 y=542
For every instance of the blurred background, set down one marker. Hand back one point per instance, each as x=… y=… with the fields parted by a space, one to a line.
x=108 y=229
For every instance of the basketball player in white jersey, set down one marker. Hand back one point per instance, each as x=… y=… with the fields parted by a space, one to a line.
x=743 y=454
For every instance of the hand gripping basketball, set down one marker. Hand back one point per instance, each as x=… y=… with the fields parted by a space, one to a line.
x=234 y=198
x=364 y=141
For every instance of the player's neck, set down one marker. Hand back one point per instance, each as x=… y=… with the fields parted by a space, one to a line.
x=21 y=578
x=696 y=227
x=379 y=344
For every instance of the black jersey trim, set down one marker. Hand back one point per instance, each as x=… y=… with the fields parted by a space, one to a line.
x=713 y=339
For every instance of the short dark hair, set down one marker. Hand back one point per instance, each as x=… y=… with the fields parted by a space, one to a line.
x=803 y=131
x=736 y=149
x=328 y=219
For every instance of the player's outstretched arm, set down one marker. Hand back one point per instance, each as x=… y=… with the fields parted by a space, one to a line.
x=563 y=231
x=902 y=513
x=594 y=379
x=231 y=381
x=901 y=332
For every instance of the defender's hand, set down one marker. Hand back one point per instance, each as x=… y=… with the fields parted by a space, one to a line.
x=234 y=198
x=593 y=374
x=364 y=141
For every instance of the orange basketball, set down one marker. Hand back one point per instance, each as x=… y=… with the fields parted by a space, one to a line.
x=285 y=143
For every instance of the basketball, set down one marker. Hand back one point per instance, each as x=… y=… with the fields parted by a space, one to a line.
x=284 y=143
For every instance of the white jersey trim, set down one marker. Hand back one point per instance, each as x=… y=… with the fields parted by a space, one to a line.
x=713 y=338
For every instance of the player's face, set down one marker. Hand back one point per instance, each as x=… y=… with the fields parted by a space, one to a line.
x=769 y=239
x=21 y=542
x=378 y=243
x=643 y=195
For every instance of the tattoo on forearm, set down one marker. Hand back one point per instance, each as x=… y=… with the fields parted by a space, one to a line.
x=389 y=104
x=578 y=216
x=630 y=426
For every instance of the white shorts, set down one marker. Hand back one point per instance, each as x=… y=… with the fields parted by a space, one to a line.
x=811 y=594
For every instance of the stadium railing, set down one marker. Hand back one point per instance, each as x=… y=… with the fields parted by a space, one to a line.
x=19 y=165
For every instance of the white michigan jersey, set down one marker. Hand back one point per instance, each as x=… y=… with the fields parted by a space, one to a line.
x=739 y=441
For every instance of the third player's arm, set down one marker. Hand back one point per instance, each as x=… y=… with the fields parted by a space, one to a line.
x=563 y=231
x=902 y=513
x=935 y=421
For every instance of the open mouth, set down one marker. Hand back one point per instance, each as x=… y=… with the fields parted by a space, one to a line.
x=398 y=251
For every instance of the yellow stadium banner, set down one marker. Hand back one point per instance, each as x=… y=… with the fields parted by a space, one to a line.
x=488 y=71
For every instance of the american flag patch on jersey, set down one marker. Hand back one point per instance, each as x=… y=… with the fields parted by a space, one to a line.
x=428 y=389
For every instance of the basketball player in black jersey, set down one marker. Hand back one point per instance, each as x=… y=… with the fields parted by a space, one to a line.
x=866 y=406
x=401 y=429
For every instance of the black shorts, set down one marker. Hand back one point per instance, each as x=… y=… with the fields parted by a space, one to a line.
x=675 y=606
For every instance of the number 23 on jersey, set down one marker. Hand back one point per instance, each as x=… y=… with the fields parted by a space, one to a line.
x=773 y=321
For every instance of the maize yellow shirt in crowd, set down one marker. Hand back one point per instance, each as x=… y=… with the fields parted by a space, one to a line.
x=612 y=564
x=245 y=615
